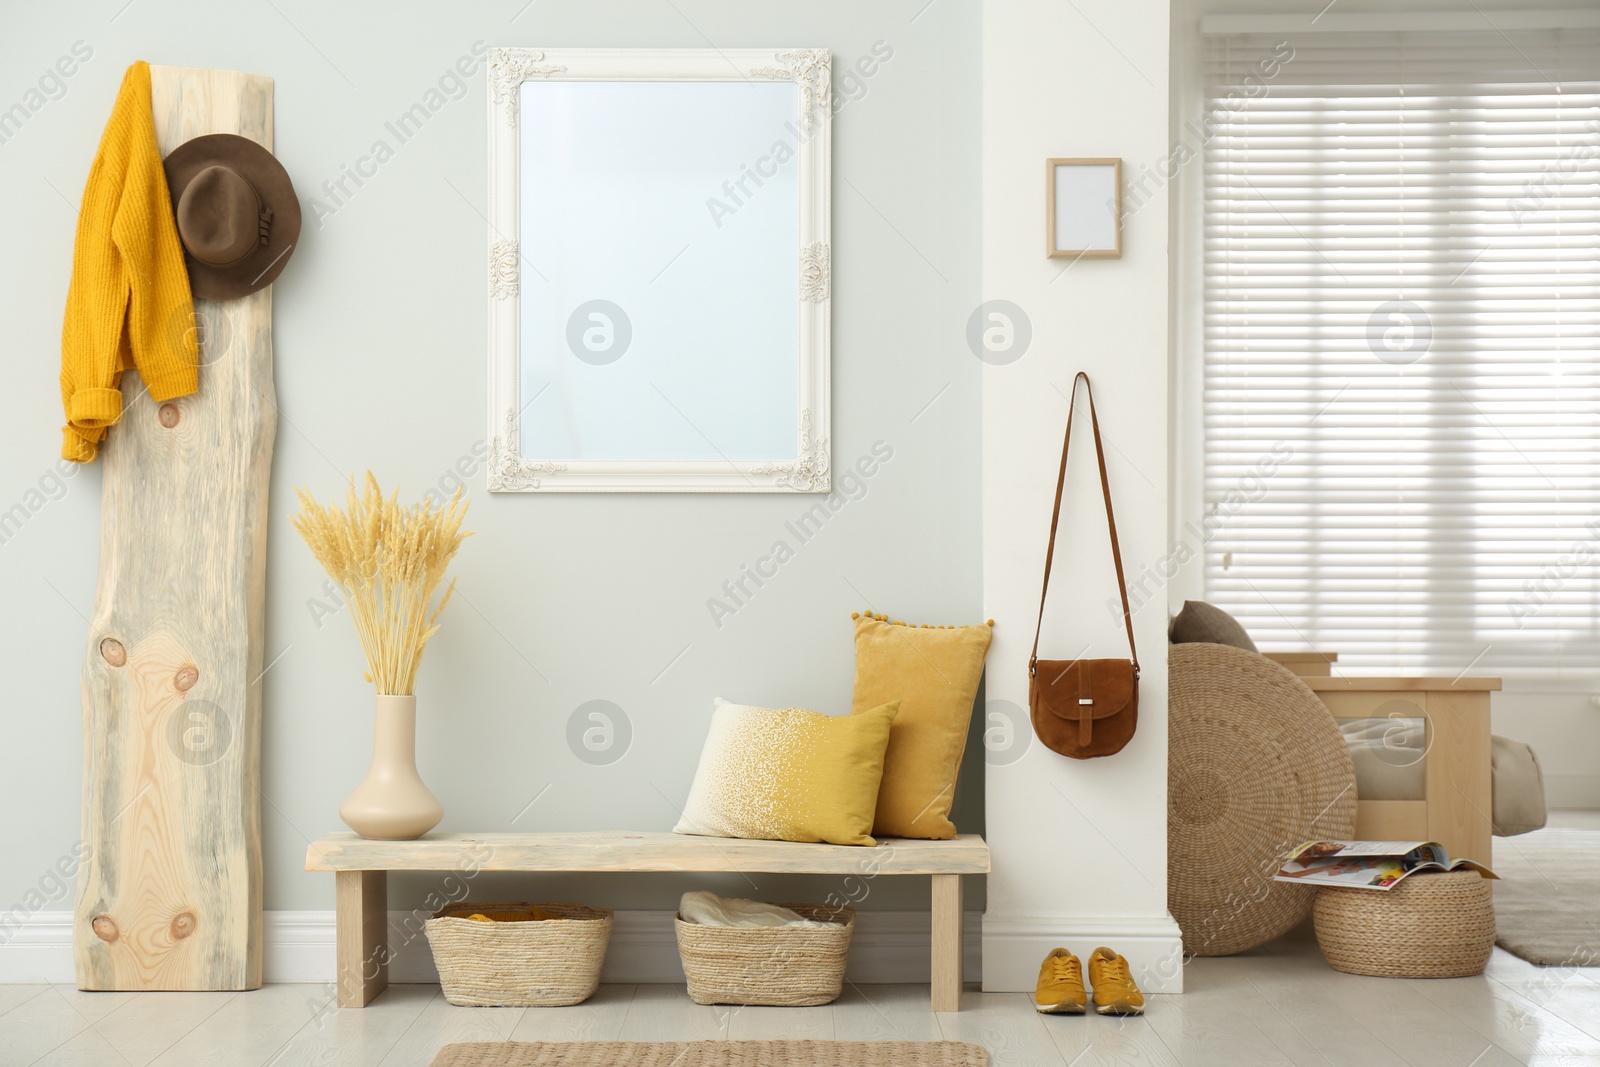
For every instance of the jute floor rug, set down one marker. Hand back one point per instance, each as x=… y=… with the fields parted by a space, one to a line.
x=712 y=1054
x=1545 y=901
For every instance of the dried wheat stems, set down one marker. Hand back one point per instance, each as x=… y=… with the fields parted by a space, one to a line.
x=389 y=561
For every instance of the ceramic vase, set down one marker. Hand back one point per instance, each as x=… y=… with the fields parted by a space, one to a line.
x=392 y=803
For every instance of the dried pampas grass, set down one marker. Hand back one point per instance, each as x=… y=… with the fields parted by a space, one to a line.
x=389 y=561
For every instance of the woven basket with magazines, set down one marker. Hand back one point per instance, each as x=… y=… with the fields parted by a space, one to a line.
x=1433 y=924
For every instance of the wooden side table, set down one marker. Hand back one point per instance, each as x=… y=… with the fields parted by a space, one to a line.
x=1454 y=801
x=1305 y=664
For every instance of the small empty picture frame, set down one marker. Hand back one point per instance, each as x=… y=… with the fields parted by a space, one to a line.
x=1084 y=217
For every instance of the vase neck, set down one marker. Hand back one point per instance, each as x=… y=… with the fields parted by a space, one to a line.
x=394 y=735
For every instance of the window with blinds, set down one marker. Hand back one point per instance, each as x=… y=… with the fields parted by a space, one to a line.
x=1402 y=347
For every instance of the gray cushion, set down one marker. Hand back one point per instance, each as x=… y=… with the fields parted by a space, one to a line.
x=1518 y=787
x=1202 y=623
x=1390 y=755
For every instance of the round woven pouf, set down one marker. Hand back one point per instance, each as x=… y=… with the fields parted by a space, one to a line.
x=1255 y=766
x=1431 y=925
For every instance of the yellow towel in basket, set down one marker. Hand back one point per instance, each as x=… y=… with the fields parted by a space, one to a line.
x=531 y=915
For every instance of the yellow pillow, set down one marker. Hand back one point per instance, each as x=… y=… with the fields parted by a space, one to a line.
x=788 y=774
x=933 y=671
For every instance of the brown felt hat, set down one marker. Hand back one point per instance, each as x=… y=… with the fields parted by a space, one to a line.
x=237 y=214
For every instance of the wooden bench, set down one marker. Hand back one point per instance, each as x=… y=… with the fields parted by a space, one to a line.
x=362 y=895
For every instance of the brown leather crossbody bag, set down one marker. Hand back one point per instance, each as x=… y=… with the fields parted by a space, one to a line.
x=1084 y=707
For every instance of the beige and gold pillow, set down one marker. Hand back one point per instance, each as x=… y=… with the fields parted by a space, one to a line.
x=933 y=671
x=788 y=774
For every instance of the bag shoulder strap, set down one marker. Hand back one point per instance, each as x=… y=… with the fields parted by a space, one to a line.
x=1111 y=523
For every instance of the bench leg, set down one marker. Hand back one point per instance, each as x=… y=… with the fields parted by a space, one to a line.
x=946 y=942
x=361 y=900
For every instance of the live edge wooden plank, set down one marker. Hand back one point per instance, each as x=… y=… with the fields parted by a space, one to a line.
x=169 y=895
x=614 y=851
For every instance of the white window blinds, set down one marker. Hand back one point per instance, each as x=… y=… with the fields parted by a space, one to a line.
x=1402 y=347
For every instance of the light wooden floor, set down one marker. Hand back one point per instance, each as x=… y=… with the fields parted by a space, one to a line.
x=1278 y=1006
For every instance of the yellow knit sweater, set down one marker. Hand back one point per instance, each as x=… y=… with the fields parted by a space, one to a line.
x=128 y=304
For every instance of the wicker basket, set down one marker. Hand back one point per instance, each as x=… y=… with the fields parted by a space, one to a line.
x=1255 y=765
x=544 y=963
x=777 y=966
x=1431 y=925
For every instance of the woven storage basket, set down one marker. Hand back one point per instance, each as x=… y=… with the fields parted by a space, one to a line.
x=776 y=966
x=1431 y=925
x=547 y=963
x=1255 y=766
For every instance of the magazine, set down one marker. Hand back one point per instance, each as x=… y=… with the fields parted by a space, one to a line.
x=1369 y=864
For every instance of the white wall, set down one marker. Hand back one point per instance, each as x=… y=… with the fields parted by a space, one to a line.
x=1079 y=847
x=381 y=363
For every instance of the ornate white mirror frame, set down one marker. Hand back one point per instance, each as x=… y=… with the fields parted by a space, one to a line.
x=512 y=272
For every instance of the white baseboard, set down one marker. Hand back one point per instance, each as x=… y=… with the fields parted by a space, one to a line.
x=40 y=950
x=888 y=946
x=1013 y=948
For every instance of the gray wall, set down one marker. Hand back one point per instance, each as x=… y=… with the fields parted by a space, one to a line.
x=381 y=363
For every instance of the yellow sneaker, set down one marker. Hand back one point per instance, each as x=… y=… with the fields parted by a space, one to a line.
x=1060 y=990
x=1114 y=990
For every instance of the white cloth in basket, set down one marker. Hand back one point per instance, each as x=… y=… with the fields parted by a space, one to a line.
x=708 y=909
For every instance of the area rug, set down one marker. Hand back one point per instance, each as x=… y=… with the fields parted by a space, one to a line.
x=1544 y=902
x=712 y=1054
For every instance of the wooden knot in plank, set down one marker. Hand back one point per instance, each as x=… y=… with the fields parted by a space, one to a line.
x=186 y=677
x=183 y=925
x=113 y=652
x=168 y=414
x=105 y=928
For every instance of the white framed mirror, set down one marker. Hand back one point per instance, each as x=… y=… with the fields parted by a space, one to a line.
x=659 y=279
